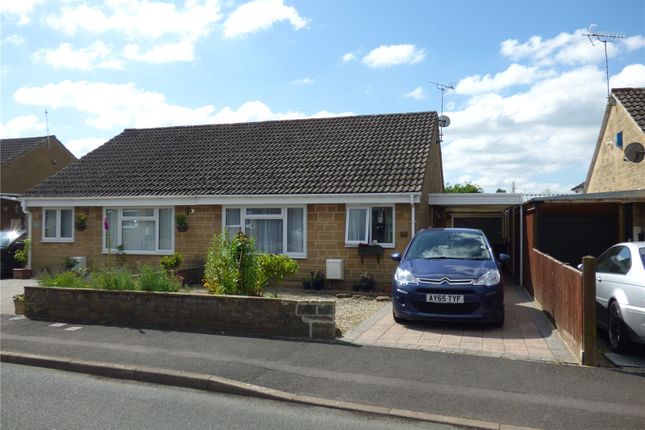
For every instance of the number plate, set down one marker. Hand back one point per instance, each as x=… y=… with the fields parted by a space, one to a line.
x=444 y=298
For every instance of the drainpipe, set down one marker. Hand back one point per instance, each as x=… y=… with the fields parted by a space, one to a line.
x=23 y=205
x=521 y=245
x=414 y=216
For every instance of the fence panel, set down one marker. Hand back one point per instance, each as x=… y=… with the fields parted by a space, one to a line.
x=557 y=287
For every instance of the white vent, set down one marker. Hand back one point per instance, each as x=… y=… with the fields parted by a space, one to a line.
x=79 y=262
x=335 y=270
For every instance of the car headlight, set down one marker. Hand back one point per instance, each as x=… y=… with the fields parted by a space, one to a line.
x=490 y=278
x=404 y=277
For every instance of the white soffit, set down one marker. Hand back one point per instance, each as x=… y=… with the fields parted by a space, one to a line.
x=475 y=199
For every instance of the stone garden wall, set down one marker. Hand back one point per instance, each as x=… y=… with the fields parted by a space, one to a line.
x=231 y=314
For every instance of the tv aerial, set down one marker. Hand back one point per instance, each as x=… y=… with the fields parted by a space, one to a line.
x=603 y=38
x=443 y=120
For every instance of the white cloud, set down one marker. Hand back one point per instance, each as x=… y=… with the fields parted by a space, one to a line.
x=20 y=126
x=96 y=56
x=14 y=39
x=567 y=48
x=416 y=94
x=303 y=81
x=183 y=50
x=20 y=9
x=259 y=15
x=516 y=74
x=82 y=146
x=109 y=106
x=348 y=57
x=631 y=76
x=391 y=55
x=138 y=18
x=533 y=137
x=161 y=32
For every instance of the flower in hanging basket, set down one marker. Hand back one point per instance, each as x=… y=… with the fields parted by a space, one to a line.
x=180 y=221
x=81 y=221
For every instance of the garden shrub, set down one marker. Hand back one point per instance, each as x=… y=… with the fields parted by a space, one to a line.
x=170 y=263
x=64 y=280
x=276 y=267
x=156 y=279
x=232 y=266
x=117 y=279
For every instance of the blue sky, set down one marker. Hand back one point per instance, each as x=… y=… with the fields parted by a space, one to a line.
x=526 y=109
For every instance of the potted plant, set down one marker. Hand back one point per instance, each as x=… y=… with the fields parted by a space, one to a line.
x=22 y=257
x=19 y=304
x=317 y=279
x=81 y=221
x=180 y=221
x=366 y=283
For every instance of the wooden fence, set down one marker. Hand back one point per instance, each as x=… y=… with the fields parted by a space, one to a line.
x=558 y=288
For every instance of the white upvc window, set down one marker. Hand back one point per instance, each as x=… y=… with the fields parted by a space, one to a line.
x=58 y=224
x=369 y=224
x=139 y=230
x=276 y=229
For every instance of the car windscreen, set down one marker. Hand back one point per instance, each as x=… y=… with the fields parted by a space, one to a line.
x=449 y=245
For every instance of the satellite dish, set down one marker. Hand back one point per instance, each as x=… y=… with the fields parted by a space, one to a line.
x=444 y=121
x=634 y=152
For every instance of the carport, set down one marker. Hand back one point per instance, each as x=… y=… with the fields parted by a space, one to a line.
x=493 y=213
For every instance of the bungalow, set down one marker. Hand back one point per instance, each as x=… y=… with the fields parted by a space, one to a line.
x=313 y=189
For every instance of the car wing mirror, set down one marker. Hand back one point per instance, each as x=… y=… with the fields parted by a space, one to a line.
x=396 y=257
x=504 y=258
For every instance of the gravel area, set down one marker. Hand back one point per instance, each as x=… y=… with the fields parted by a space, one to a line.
x=351 y=308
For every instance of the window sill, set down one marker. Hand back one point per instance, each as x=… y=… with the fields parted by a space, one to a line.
x=115 y=252
x=54 y=240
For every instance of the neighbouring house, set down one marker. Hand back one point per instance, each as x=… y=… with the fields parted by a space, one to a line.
x=26 y=162
x=623 y=123
x=313 y=189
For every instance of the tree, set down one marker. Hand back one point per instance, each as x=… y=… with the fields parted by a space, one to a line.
x=467 y=187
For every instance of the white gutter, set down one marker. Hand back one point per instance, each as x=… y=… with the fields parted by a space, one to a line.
x=23 y=205
x=414 y=216
x=266 y=199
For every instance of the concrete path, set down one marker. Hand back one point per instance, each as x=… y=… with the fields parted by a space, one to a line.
x=527 y=334
x=8 y=289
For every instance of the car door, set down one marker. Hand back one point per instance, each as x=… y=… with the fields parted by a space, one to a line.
x=611 y=270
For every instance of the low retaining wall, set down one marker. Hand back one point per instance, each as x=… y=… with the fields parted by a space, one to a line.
x=235 y=314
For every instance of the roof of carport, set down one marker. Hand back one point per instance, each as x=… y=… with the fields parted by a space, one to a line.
x=475 y=199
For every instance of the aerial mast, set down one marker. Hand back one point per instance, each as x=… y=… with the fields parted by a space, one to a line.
x=603 y=38
x=444 y=121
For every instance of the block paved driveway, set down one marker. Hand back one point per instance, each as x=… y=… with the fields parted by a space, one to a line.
x=527 y=333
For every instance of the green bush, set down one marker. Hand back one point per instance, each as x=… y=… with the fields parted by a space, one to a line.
x=118 y=279
x=22 y=255
x=170 y=263
x=64 y=280
x=155 y=279
x=232 y=266
x=275 y=268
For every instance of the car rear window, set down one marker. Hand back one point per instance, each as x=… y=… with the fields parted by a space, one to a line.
x=449 y=244
x=641 y=251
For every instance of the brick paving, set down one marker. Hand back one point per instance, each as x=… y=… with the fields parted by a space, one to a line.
x=527 y=333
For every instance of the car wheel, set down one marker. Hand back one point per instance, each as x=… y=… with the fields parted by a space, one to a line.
x=618 y=337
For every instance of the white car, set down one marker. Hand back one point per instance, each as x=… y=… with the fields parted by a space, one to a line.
x=620 y=294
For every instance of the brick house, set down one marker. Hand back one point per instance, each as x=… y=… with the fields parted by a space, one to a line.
x=313 y=189
x=24 y=163
x=623 y=123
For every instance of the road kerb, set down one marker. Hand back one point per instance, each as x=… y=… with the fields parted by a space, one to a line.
x=228 y=386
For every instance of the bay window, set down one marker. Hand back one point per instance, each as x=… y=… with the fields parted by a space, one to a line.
x=276 y=230
x=138 y=230
x=58 y=225
x=369 y=224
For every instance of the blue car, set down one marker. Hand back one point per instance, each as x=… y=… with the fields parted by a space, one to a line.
x=448 y=274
